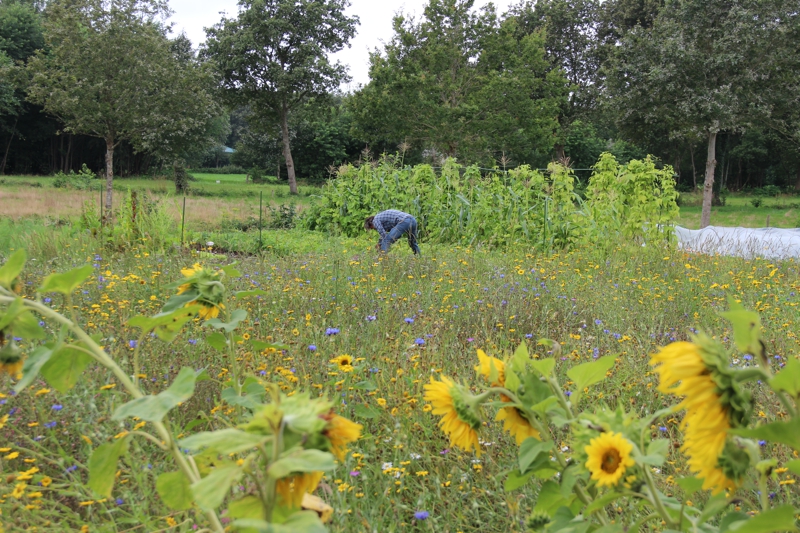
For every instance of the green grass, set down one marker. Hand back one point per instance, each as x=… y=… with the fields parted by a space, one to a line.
x=780 y=212
x=231 y=185
x=628 y=303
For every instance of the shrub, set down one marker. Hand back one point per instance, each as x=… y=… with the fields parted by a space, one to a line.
x=757 y=201
x=82 y=180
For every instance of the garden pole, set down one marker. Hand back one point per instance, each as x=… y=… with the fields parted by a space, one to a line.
x=260 y=213
x=183 y=219
x=101 y=210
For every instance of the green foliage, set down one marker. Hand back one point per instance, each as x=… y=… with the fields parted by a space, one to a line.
x=632 y=201
x=84 y=179
x=459 y=205
x=141 y=220
x=464 y=84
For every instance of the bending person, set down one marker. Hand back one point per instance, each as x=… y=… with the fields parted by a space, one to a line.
x=391 y=225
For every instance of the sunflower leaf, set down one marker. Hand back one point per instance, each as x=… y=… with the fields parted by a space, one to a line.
x=531 y=452
x=787 y=433
x=746 y=327
x=588 y=374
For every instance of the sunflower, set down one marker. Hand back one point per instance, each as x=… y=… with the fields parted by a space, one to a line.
x=344 y=362
x=291 y=489
x=12 y=368
x=207 y=311
x=684 y=371
x=188 y=273
x=460 y=418
x=485 y=365
x=516 y=425
x=609 y=457
x=340 y=432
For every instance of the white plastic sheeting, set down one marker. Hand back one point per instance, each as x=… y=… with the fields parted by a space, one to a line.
x=769 y=243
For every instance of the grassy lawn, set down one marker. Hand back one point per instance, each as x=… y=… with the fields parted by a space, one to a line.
x=779 y=212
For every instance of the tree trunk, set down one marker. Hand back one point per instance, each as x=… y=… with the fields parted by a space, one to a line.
x=8 y=146
x=797 y=183
x=287 y=151
x=694 y=170
x=560 y=155
x=109 y=174
x=708 y=185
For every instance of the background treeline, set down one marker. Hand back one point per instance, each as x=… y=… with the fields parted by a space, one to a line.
x=562 y=80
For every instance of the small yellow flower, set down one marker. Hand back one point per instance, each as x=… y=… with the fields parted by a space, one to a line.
x=12 y=455
x=19 y=490
x=42 y=392
x=46 y=481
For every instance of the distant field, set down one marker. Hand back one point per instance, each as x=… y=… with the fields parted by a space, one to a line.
x=209 y=204
x=780 y=212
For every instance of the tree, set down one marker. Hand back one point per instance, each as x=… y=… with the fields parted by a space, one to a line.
x=274 y=56
x=188 y=86
x=570 y=28
x=704 y=67
x=20 y=36
x=110 y=72
x=461 y=83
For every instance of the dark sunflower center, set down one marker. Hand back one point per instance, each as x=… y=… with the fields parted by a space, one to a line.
x=611 y=461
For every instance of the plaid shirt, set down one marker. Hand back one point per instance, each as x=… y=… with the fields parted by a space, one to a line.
x=386 y=220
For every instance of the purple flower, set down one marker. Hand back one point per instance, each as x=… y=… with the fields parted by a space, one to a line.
x=119 y=501
x=51 y=424
x=192 y=341
x=409 y=320
x=57 y=407
x=470 y=339
x=419 y=342
x=331 y=331
x=132 y=344
x=371 y=318
x=312 y=348
x=421 y=515
x=355 y=473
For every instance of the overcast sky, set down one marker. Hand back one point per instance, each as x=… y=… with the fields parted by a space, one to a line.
x=192 y=16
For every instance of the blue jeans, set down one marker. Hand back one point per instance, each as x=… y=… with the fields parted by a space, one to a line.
x=409 y=225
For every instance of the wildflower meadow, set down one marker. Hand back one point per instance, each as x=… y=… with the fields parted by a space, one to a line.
x=607 y=388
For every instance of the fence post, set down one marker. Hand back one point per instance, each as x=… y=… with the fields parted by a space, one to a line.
x=183 y=219
x=260 y=214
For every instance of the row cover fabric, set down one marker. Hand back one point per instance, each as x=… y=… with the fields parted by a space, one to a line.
x=768 y=243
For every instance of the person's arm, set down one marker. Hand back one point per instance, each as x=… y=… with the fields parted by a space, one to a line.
x=378 y=226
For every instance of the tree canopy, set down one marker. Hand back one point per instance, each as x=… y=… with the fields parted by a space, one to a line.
x=462 y=83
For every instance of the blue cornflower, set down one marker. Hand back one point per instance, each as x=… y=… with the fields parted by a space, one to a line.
x=132 y=344
x=119 y=501
x=192 y=341
x=598 y=322
x=51 y=424
x=409 y=320
x=371 y=318
x=419 y=341
x=331 y=331
x=421 y=515
x=57 y=407
x=312 y=348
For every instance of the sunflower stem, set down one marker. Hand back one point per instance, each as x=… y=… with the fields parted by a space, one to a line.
x=655 y=500
x=763 y=494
